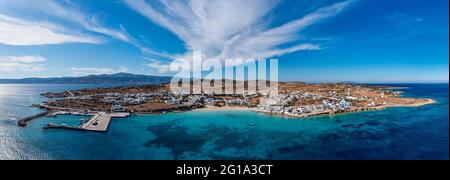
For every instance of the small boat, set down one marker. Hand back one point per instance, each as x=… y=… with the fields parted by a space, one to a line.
x=251 y=124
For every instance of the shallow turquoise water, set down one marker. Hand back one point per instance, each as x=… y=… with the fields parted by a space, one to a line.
x=394 y=133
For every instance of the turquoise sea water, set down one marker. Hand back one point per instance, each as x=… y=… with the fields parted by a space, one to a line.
x=394 y=133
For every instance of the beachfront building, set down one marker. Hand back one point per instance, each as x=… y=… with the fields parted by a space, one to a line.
x=117 y=108
x=174 y=101
x=239 y=102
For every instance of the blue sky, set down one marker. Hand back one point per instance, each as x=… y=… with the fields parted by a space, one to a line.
x=314 y=40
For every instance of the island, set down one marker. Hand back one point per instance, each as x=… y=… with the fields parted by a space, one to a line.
x=296 y=99
x=293 y=99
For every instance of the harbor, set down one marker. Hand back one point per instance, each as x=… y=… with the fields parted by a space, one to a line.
x=99 y=121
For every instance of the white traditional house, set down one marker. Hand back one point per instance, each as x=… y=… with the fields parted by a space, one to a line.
x=117 y=108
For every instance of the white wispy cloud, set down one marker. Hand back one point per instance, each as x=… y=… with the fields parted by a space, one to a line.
x=231 y=28
x=19 y=32
x=68 y=11
x=84 y=71
x=404 y=19
x=220 y=29
x=123 y=69
x=23 y=59
x=157 y=66
x=13 y=64
x=22 y=31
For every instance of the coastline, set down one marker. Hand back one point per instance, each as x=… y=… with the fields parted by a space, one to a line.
x=416 y=104
x=325 y=99
x=427 y=101
x=224 y=108
x=351 y=110
x=137 y=126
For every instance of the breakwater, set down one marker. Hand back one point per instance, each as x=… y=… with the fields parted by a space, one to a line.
x=23 y=122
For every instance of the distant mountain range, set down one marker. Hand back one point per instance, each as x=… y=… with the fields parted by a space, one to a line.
x=119 y=78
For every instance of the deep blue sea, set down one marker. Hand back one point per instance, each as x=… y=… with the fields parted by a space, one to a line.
x=394 y=133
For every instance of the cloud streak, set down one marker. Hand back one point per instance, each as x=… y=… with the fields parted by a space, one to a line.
x=84 y=28
x=69 y=12
x=12 y=64
x=19 y=32
x=232 y=28
x=157 y=66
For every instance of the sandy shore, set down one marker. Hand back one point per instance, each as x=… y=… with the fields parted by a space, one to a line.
x=415 y=104
x=225 y=108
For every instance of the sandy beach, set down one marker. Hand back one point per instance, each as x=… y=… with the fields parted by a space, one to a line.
x=224 y=108
x=419 y=102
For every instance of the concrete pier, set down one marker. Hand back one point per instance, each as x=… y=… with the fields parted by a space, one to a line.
x=56 y=126
x=99 y=122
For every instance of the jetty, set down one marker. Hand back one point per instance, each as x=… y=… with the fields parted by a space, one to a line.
x=24 y=122
x=57 y=126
